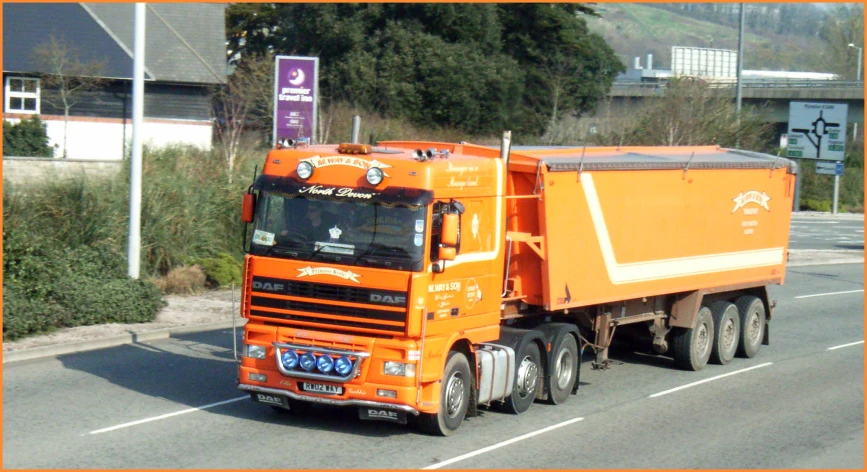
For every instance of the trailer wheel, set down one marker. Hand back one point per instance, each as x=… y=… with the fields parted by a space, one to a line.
x=563 y=371
x=454 y=398
x=692 y=346
x=752 y=318
x=726 y=323
x=527 y=368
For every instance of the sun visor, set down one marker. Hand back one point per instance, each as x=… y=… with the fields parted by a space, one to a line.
x=410 y=197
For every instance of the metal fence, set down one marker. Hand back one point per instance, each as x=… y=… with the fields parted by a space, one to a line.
x=752 y=83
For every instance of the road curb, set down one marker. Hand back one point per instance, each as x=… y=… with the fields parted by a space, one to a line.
x=114 y=341
x=846 y=260
x=803 y=215
x=813 y=257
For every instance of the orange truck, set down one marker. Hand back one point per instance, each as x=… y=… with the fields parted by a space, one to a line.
x=418 y=281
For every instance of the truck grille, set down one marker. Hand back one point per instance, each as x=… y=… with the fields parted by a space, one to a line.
x=362 y=320
x=323 y=291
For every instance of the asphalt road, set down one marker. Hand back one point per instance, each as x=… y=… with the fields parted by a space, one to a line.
x=173 y=404
x=810 y=232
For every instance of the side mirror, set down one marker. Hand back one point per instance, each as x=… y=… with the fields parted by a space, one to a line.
x=451 y=223
x=447 y=253
x=247 y=206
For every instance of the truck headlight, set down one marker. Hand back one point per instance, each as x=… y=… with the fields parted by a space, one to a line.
x=304 y=170
x=374 y=176
x=398 y=369
x=255 y=351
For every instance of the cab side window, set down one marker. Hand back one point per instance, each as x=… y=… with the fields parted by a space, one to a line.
x=437 y=227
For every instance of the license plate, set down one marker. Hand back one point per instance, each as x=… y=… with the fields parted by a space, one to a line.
x=322 y=388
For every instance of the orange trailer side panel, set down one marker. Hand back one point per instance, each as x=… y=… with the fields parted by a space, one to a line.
x=615 y=235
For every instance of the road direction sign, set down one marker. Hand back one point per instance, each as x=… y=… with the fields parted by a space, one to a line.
x=817 y=130
x=829 y=168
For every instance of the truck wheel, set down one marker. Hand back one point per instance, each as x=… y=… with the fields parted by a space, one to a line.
x=726 y=332
x=692 y=346
x=752 y=318
x=454 y=398
x=563 y=370
x=526 y=379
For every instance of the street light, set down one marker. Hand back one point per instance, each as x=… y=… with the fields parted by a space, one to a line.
x=858 y=78
x=858 y=72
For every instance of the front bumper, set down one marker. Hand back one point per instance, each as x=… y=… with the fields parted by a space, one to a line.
x=328 y=401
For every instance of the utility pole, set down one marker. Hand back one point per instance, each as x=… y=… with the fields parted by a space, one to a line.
x=740 y=60
x=134 y=246
x=857 y=78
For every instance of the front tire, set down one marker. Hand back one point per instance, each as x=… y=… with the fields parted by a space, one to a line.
x=527 y=368
x=563 y=371
x=752 y=318
x=727 y=324
x=454 y=398
x=692 y=346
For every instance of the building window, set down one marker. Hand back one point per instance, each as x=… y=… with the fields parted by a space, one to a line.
x=22 y=95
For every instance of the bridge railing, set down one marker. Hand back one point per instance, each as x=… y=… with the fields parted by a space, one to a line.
x=752 y=83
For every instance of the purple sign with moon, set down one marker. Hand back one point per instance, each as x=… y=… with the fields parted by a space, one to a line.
x=295 y=97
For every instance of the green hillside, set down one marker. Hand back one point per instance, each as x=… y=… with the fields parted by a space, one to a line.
x=637 y=30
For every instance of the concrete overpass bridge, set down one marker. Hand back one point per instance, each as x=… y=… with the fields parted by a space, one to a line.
x=772 y=94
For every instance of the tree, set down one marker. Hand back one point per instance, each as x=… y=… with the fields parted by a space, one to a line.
x=568 y=69
x=243 y=104
x=65 y=74
x=250 y=29
x=691 y=113
x=477 y=68
x=844 y=25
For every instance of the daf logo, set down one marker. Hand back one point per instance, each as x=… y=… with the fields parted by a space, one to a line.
x=268 y=286
x=388 y=299
x=385 y=414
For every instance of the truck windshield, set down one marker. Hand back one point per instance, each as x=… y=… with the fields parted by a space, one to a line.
x=344 y=232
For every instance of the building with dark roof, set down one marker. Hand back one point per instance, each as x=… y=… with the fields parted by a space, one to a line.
x=185 y=58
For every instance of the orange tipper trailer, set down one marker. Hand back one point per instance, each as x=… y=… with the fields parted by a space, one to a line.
x=418 y=280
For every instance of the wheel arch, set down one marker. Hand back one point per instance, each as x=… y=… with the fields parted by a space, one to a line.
x=685 y=306
x=553 y=332
x=517 y=338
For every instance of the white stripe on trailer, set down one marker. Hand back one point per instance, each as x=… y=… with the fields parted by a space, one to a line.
x=668 y=268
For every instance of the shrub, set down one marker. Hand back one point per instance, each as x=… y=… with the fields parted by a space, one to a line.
x=810 y=204
x=23 y=316
x=95 y=300
x=27 y=138
x=48 y=285
x=221 y=270
x=184 y=279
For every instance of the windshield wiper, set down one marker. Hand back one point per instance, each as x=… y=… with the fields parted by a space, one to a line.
x=316 y=251
x=388 y=249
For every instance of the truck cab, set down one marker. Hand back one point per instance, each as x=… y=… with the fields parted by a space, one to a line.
x=366 y=266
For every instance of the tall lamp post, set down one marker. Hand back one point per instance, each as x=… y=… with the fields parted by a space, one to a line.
x=858 y=71
x=858 y=78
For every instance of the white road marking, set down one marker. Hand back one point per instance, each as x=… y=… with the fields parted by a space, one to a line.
x=830 y=293
x=501 y=444
x=666 y=392
x=845 y=345
x=168 y=415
